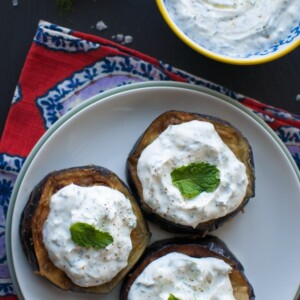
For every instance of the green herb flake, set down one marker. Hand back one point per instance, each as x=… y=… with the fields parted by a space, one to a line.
x=86 y=235
x=196 y=178
x=172 y=297
x=64 y=6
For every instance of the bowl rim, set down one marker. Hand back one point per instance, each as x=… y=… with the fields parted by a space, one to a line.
x=219 y=57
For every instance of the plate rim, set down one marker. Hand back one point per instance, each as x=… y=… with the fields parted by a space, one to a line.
x=97 y=98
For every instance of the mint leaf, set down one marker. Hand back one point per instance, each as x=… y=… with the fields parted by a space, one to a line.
x=172 y=297
x=86 y=235
x=196 y=178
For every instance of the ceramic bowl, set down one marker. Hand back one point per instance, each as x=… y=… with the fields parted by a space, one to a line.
x=285 y=42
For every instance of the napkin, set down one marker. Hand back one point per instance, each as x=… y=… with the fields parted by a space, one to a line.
x=66 y=67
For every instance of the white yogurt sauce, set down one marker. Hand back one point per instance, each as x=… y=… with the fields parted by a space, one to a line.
x=106 y=209
x=179 y=145
x=184 y=277
x=235 y=27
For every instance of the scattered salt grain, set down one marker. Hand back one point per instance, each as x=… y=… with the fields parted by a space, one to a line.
x=128 y=39
x=101 y=26
x=298 y=97
x=15 y=2
x=119 y=37
x=123 y=39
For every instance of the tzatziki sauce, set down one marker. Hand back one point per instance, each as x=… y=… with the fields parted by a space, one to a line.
x=181 y=145
x=106 y=209
x=184 y=277
x=235 y=27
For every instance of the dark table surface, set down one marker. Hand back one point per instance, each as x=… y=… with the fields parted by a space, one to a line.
x=276 y=83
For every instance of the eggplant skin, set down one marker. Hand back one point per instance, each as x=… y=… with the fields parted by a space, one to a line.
x=198 y=247
x=231 y=136
x=37 y=210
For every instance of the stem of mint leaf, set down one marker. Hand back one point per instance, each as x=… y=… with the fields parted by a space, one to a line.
x=196 y=178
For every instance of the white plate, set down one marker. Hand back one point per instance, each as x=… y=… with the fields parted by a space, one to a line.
x=103 y=130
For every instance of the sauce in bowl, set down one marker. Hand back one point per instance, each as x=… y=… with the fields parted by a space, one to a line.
x=237 y=28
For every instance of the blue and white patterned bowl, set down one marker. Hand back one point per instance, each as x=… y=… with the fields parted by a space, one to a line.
x=282 y=47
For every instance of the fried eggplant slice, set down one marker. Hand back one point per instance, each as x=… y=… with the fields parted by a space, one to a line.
x=230 y=135
x=37 y=209
x=194 y=246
